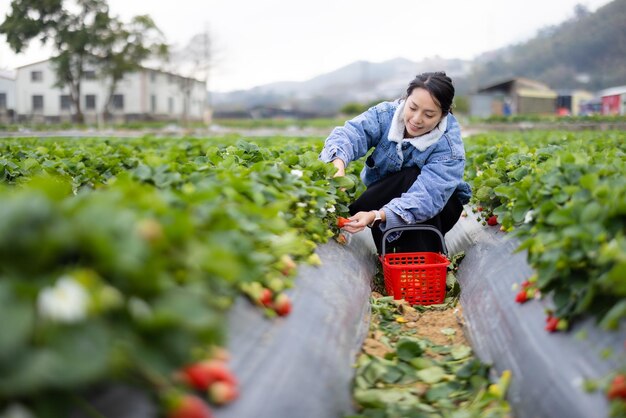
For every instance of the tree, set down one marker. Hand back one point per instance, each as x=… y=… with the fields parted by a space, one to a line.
x=85 y=36
x=195 y=61
x=123 y=50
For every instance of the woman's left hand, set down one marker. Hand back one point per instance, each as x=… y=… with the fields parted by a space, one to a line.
x=359 y=221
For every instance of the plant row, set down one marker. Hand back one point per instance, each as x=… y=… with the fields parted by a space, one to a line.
x=564 y=197
x=119 y=259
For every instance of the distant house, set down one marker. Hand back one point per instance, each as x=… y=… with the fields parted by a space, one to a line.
x=7 y=98
x=147 y=94
x=514 y=96
x=571 y=102
x=613 y=101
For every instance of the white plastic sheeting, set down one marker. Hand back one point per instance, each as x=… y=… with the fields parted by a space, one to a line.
x=548 y=368
x=302 y=365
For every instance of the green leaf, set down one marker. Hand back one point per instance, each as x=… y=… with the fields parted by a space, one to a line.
x=612 y=319
x=21 y=317
x=431 y=374
x=460 y=352
x=408 y=349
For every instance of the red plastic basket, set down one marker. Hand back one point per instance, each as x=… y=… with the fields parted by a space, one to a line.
x=419 y=277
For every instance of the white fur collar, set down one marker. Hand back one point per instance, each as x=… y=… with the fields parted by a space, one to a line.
x=422 y=142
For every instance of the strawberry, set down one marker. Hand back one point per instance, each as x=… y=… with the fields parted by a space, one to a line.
x=221 y=393
x=617 y=390
x=479 y=208
x=150 y=230
x=189 y=406
x=552 y=323
x=526 y=284
x=202 y=374
x=287 y=265
x=521 y=297
x=341 y=221
x=493 y=220
x=265 y=298
x=282 y=304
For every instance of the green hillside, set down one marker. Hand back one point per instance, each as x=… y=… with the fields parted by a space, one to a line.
x=587 y=51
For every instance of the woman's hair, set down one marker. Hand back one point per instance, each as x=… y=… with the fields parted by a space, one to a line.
x=439 y=85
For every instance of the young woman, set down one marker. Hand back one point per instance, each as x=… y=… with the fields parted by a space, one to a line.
x=415 y=172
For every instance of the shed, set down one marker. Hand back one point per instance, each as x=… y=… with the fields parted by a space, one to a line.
x=613 y=100
x=571 y=102
x=513 y=96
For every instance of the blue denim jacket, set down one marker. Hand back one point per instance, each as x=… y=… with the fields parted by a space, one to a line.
x=441 y=164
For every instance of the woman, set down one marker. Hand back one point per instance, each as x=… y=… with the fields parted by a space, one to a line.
x=415 y=172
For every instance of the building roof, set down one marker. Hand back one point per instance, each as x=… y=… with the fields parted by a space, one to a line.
x=145 y=68
x=519 y=82
x=613 y=91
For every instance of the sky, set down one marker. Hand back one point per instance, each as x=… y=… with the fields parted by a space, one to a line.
x=264 y=41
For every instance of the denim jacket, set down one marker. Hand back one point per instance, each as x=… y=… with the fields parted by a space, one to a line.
x=441 y=164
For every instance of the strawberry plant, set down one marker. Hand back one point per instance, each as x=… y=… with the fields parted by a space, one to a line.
x=119 y=258
x=564 y=197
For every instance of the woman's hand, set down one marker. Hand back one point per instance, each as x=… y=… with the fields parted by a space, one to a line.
x=359 y=221
x=341 y=167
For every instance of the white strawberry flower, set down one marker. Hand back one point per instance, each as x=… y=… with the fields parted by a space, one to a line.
x=297 y=173
x=301 y=205
x=331 y=209
x=66 y=301
x=529 y=216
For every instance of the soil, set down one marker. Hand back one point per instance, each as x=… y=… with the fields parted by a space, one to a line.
x=440 y=326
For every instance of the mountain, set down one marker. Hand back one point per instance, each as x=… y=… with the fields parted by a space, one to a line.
x=360 y=81
x=584 y=52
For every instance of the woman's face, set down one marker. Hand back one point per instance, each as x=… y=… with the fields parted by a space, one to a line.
x=421 y=113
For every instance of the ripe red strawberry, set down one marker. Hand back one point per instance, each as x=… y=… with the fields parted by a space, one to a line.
x=282 y=304
x=551 y=323
x=190 y=406
x=221 y=393
x=265 y=298
x=202 y=374
x=493 y=220
x=617 y=388
x=521 y=297
x=526 y=284
x=341 y=221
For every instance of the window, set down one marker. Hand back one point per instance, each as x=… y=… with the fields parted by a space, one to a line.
x=37 y=102
x=89 y=75
x=90 y=101
x=118 y=101
x=36 y=76
x=153 y=76
x=170 y=105
x=3 y=101
x=153 y=103
x=66 y=102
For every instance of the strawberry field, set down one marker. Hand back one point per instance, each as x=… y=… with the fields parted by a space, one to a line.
x=121 y=258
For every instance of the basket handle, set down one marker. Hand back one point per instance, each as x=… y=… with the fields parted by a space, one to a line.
x=420 y=227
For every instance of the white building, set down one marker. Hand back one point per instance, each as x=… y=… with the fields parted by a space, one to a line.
x=7 y=98
x=144 y=95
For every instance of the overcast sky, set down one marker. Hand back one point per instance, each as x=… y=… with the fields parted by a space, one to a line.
x=259 y=42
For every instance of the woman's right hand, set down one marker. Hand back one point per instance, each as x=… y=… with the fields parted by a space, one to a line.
x=341 y=167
